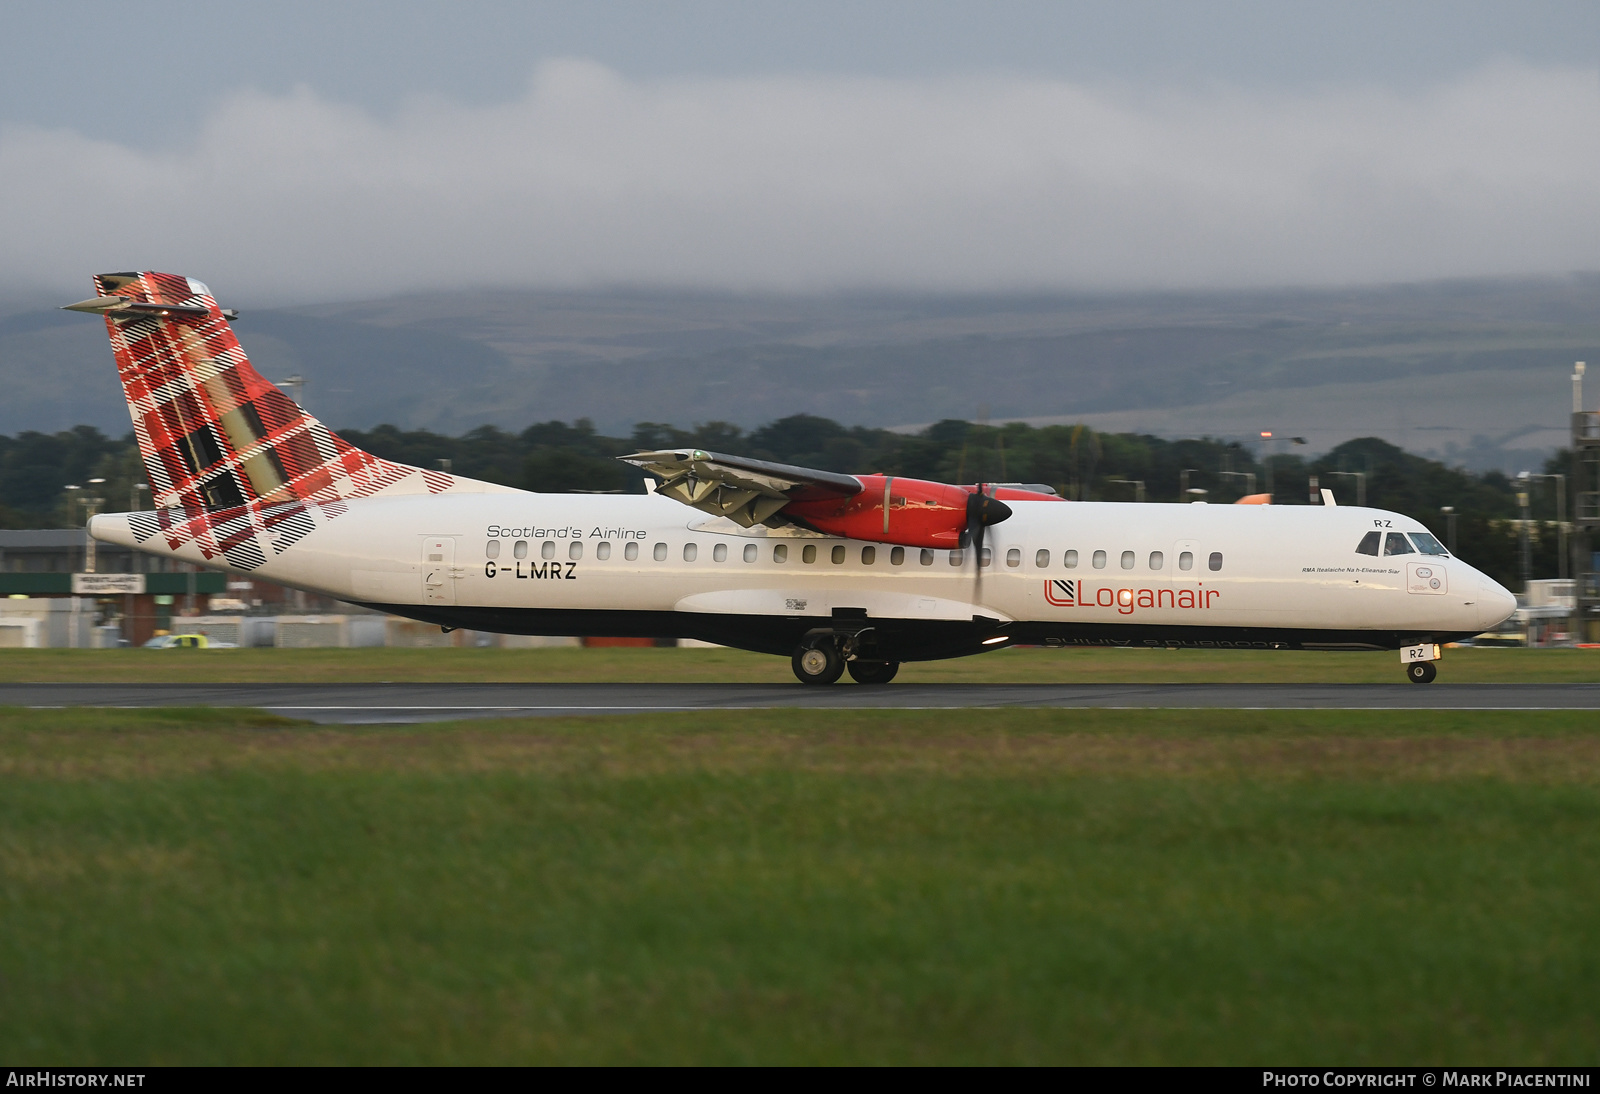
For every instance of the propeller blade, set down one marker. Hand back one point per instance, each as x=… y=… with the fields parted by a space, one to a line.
x=982 y=511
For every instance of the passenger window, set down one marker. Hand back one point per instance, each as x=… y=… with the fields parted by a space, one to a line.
x=808 y=554
x=926 y=558
x=1069 y=559
x=750 y=552
x=602 y=551
x=493 y=549
x=1127 y=560
x=1186 y=560
x=1099 y=560
x=519 y=549
x=986 y=558
x=631 y=552
x=837 y=554
x=1369 y=544
x=1428 y=545
x=1156 y=560
x=897 y=556
x=869 y=555
x=780 y=552
x=690 y=552
x=1041 y=559
x=659 y=552
x=1215 y=561
x=1396 y=544
x=547 y=549
x=1014 y=557
x=956 y=557
x=719 y=553
x=574 y=549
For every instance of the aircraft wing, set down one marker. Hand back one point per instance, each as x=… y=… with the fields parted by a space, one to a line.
x=747 y=491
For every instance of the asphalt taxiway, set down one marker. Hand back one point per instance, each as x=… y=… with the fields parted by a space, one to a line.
x=391 y=703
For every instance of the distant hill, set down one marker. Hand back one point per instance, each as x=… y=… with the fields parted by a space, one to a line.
x=1472 y=372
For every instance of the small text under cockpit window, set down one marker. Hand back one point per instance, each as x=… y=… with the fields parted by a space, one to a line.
x=1397 y=544
x=1369 y=543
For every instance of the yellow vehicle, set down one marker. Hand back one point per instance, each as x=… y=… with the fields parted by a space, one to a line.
x=185 y=642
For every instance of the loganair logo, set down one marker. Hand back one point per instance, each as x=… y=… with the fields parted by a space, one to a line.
x=1126 y=599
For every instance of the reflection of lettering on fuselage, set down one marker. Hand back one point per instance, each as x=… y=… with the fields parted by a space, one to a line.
x=564 y=571
x=1068 y=593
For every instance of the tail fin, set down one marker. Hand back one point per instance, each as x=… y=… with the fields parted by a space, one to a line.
x=235 y=466
x=213 y=433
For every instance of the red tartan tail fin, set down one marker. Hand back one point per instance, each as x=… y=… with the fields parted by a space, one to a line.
x=214 y=434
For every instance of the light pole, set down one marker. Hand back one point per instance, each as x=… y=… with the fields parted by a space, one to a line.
x=1137 y=484
x=1527 y=548
x=134 y=491
x=296 y=385
x=1266 y=457
x=1361 y=485
x=1449 y=512
x=1561 y=512
x=91 y=506
x=1249 y=478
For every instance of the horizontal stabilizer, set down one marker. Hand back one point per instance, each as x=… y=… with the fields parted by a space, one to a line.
x=120 y=307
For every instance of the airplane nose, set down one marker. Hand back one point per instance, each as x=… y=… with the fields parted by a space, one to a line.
x=1495 y=602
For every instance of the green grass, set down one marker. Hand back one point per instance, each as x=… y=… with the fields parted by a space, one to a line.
x=1086 y=666
x=935 y=887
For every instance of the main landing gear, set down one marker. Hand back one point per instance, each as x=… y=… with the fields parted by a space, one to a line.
x=873 y=672
x=818 y=664
x=824 y=658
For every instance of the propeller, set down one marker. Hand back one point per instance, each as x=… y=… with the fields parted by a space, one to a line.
x=982 y=511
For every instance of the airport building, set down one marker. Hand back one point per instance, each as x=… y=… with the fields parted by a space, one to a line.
x=60 y=589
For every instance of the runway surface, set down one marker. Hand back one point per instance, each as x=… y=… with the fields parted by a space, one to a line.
x=389 y=703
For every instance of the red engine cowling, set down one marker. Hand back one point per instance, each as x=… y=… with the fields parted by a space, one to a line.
x=908 y=512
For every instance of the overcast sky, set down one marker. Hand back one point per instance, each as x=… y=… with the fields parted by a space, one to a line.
x=305 y=151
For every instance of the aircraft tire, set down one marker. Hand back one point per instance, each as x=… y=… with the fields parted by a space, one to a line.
x=1422 y=672
x=873 y=672
x=818 y=664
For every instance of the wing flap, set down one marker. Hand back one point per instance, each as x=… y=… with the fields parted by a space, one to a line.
x=746 y=491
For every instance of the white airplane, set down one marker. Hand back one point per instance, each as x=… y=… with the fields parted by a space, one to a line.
x=837 y=572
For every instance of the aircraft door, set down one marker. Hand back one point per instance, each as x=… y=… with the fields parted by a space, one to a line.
x=1185 y=570
x=439 y=570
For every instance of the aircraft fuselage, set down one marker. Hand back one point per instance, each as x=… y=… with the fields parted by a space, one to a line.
x=1059 y=574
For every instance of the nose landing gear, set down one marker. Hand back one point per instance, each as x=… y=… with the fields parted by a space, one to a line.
x=1419 y=662
x=1422 y=672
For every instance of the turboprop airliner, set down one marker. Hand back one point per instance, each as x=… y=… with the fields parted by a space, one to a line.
x=839 y=573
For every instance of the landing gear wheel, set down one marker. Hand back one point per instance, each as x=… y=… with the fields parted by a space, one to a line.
x=819 y=664
x=1422 y=672
x=873 y=672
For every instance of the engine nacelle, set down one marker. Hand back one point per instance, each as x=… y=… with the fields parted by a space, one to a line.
x=907 y=512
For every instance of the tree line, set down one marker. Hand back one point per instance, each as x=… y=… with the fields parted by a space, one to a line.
x=1079 y=463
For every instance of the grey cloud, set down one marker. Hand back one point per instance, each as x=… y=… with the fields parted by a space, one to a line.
x=823 y=183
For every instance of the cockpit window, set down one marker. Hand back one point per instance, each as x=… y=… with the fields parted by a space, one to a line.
x=1397 y=544
x=1428 y=545
x=1369 y=544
